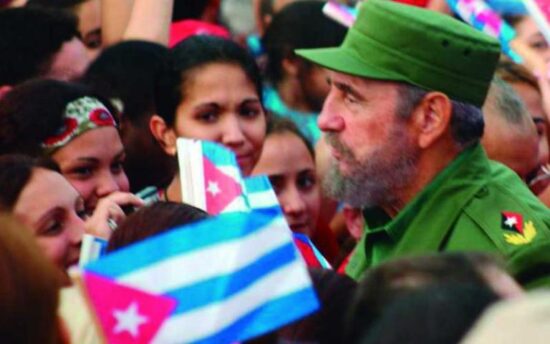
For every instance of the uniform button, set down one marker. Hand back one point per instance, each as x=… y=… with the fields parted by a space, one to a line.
x=483 y=192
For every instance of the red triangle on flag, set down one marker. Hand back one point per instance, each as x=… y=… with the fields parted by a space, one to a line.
x=220 y=188
x=126 y=314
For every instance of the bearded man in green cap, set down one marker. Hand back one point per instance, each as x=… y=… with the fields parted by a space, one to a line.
x=403 y=122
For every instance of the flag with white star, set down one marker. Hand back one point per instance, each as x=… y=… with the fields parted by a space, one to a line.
x=210 y=176
x=125 y=314
x=231 y=285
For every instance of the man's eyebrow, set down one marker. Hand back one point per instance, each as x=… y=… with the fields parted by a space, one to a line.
x=346 y=88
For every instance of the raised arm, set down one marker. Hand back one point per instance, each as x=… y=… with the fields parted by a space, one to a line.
x=136 y=19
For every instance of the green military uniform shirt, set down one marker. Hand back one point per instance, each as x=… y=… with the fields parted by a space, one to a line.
x=474 y=204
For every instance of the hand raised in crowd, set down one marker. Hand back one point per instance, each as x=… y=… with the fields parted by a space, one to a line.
x=109 y=213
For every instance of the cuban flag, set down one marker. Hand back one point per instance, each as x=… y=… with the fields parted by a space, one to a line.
x=260 y=193
x=482 y=17
x=234 y=277
x=210 y=176
x=125 y=314
x=312 y=256
x=91 y=249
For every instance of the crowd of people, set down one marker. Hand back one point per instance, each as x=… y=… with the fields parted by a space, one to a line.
x=410 y=150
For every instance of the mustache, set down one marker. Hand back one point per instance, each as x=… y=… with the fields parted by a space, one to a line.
x=333 y=141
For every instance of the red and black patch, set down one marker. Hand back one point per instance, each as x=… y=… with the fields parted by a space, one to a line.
x=512 y=221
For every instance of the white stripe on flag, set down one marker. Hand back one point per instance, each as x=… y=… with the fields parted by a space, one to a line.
x=215 y=317
x=209 y=262
x=238 y=204
x=263 y=199
x=232 y=171
x=191 y=171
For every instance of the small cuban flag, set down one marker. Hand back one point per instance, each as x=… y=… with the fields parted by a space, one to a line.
x=260 y=195
x=210 y=177
x=234 y=277
x=91 y=249
x=482 y=17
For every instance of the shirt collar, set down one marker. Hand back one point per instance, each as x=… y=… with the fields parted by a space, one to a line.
x=465 y=174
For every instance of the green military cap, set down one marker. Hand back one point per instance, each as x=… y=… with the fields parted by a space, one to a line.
x=392 y=41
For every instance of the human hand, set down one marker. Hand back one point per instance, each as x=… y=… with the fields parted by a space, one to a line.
x=108 y=213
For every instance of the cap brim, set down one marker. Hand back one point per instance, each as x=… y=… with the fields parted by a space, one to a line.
x=345 y=61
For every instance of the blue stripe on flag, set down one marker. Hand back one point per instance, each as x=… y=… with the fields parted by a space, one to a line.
x=222 y=287
x=223 y=228
x=260 y=193
x=218 y=154
x=257 y=183
x=271 y=315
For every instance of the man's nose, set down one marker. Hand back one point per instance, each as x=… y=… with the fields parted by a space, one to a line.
x=329 y=120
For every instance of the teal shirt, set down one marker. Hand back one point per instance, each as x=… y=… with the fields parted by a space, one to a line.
x=305 y=121
x=462 y=209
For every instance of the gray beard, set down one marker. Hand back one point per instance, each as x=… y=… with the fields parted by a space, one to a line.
x=377 y=180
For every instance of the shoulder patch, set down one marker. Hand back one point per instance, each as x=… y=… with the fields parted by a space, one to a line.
x=512 y=221
x=516 y=232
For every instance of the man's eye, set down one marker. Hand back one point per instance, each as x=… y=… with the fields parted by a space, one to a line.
x=350 y=99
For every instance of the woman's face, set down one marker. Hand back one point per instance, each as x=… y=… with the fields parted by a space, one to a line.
x=291 y=170
x=528 y=32
x=53 y=209
x=221 y=104
x=89 y=25
x=92 y=163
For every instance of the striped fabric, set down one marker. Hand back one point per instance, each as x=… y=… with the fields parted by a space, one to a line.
x=235 y=276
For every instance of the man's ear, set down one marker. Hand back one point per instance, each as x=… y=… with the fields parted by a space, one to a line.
x=355 y=222
x=291 y=66
x=432 y=118
x=164 y=135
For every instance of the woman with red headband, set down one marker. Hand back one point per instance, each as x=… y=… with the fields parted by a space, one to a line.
x=77 y=130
